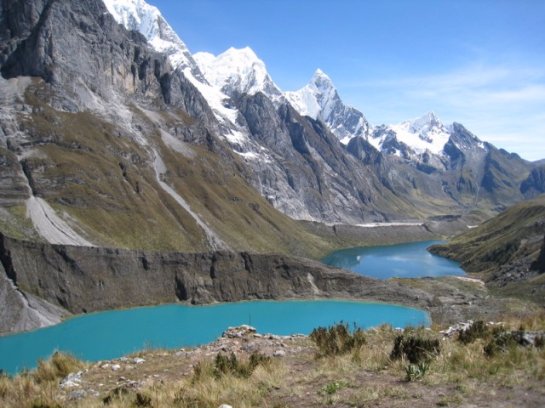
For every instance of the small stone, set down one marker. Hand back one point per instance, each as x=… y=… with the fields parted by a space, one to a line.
x=279 y=353
x=72 y=380
x=77 y=395
x=225 y=406
x=138 y=361
x=116 y=367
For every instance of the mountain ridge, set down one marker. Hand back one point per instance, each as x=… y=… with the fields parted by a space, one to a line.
x=149 y=134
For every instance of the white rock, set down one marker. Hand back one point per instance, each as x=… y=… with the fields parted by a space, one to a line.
x=116 y=367
x=225 y=406
x=279 y=353
x=138 y=360
x=72 y=380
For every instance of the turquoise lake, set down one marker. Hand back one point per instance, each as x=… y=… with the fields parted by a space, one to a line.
x=112 y=334
x=410 y=260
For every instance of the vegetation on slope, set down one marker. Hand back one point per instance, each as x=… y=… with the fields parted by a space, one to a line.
x=98 y=175
x=505 y=250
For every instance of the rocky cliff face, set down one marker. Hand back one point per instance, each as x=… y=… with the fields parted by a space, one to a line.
x=80 y=280
x=103 y=142
x=534 y=185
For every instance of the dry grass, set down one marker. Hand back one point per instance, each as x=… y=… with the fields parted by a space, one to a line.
x=38 y=388
x=365 y=376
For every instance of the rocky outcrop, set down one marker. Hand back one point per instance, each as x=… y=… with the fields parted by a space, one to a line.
x=22 y=311
x=82 y=280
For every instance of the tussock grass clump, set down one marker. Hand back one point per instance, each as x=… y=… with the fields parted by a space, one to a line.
x=415 y=348
x=477 y=330
x=37 y=388
x=337 y=340
x=418 y=350
x=231 y=380
x=502 y=342
x=231 y=365
x=58 y=367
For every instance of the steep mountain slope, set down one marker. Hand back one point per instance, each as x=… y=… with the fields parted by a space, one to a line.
x=507 y=250
x=302 y=187
x=135 y=144
x=438 y=166
x=132 y=157
x=535 y=183
x=430 y=168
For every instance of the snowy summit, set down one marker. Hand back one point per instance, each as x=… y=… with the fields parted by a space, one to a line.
x=320 y=100
x=237 y=71
x=425 y=133
x=137 y=15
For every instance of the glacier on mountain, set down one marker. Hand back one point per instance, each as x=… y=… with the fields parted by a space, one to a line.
x=320 y=100
x=238 y=71
x=422 y=134
x=137 y=15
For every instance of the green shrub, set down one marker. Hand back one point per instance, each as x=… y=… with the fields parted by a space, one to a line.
x=337 y=339
x=415 y=348
x=477 y=330
x=333 y=387
x=500 y=343
x=416 y=371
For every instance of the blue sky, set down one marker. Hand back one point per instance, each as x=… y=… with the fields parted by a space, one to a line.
x=478 y=62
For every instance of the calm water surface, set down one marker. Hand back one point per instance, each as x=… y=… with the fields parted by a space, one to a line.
x=112 y=334
x=410 y=260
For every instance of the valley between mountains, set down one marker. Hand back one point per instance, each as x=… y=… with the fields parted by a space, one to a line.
x=139 y=145
x=136 y=173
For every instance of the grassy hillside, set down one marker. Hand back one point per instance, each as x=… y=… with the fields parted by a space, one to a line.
x=100 y=177
x=505 y=249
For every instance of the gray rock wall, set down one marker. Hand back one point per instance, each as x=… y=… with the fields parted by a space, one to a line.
x=81 y=279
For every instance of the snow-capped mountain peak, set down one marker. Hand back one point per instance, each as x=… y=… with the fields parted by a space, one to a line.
x=319 y=99
x=426 y=133
x=425 y=122
x=237 y=70
x=321 y=80
x=137 y=15
x=316 y=98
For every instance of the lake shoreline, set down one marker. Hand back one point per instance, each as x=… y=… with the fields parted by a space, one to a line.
x=112 y=334
x=85 y=280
